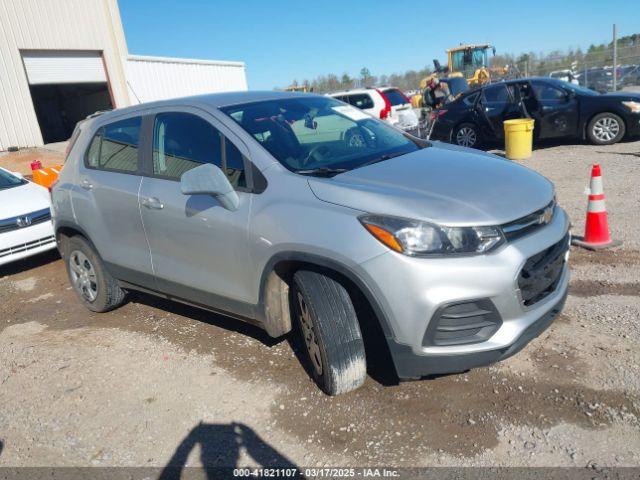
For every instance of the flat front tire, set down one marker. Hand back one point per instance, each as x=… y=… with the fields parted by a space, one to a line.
x=605 y=129
x=94 y=286
x=330 y=332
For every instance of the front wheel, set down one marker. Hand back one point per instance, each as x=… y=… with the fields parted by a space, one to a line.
x=329 y=327
x=466 y=135
x=605 y=129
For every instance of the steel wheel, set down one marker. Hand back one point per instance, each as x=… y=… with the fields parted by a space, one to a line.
x=606 y=129
x=466 y=137
x=83 y=275
x=310 y=338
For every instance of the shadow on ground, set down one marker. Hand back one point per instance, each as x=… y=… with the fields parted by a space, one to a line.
x=221 y=447
x=29 y=263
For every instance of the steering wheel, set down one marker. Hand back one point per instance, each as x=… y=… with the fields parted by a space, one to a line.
x=358 y=137
x=322 y=150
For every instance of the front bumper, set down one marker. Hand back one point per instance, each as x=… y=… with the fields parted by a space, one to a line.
x=409 y=365
x=25 y=242
x=410 y=291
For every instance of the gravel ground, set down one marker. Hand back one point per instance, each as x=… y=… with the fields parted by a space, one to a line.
x=156 y=383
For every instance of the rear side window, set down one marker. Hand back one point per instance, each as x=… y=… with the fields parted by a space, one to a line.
x=361 y=100
x=496 y=94
x=470 y=99
x=115 y=146
x=182 y=141
x=395 y=97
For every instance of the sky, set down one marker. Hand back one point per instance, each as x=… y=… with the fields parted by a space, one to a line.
x=280 y=40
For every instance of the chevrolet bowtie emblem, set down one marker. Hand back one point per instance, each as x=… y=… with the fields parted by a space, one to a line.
x=546 y=216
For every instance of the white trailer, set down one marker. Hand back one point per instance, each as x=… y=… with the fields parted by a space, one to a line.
x=160 y=78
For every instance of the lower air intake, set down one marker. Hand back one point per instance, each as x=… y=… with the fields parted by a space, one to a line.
x=463 y=323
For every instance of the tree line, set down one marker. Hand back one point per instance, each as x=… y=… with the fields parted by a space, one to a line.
x=530 y=63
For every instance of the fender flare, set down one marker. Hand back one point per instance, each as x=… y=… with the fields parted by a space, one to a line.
x=327 y=263
x=60 y=225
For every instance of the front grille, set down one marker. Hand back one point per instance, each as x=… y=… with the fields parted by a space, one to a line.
x=541 y=273
x=462 y=323
x=529 y=223
x=23 y=247
x=33 y=218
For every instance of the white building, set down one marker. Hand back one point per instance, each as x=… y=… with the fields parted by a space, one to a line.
x=61 y=60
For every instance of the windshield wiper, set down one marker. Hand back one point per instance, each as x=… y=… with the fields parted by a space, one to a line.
x=322 y=171
x=381 y=158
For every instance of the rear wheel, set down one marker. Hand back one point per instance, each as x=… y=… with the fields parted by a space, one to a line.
x=605 y=129
x=329 y=327
x=466 y=135
x=94 y=286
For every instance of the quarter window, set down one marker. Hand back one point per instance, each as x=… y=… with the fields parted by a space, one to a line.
x=115 y=146
x=182 y=141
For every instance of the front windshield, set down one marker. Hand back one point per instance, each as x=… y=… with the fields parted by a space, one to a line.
x=8 y=180
x=311 y=133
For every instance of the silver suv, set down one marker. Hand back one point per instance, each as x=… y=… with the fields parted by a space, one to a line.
x=297 y=211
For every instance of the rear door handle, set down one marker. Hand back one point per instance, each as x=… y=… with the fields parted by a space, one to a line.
x=86 y=184
x=153 y=203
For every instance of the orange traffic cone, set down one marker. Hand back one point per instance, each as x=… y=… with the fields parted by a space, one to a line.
x=596 y=230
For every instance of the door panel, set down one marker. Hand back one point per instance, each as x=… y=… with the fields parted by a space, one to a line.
x=198 y=247
x=558 y=111
x=496 y=105
x=105 y=200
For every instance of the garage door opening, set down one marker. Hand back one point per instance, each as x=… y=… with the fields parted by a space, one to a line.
x=60 y=107
x=66 y=86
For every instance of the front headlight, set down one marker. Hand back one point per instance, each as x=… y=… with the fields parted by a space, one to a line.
x=633 y=106
x=418 y=238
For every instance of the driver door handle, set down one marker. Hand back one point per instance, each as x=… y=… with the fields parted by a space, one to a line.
x=86 y=184
x=152 y=203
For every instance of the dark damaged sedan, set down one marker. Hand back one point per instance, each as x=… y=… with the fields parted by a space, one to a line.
x=560 y=110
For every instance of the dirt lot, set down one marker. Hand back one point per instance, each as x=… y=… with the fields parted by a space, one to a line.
x=157 y=383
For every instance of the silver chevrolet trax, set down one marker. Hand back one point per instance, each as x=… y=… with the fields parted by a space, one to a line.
x=299 y=212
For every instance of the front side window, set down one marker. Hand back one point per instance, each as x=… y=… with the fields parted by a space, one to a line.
x=544 y=91
x=182 y=141
x=115 y=146
x=309 y=135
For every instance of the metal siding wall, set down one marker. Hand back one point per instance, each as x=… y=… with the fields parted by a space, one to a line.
x=151 y=79
x=52 y=25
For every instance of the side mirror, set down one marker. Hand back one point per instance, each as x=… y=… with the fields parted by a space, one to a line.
x=208 y=179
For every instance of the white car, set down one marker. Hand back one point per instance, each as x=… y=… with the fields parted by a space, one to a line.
x=386 y=103
x=25 y=218
x=565 y=76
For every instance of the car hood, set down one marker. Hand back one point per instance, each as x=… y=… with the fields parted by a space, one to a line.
x=446 y=185
x=634 y=96
x=23 y=199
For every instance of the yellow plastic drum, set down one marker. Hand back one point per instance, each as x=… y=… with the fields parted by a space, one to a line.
x=518 y=138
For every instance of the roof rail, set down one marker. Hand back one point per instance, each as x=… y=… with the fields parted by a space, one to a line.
x=98 y=113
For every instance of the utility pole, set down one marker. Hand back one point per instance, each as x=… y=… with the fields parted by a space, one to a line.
x=615 y=58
